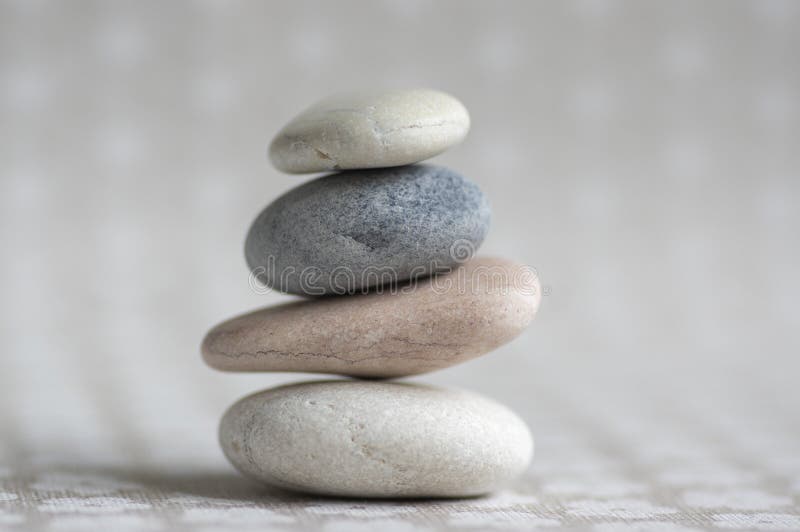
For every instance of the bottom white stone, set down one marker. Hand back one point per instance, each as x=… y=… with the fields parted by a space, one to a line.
x=376 y=439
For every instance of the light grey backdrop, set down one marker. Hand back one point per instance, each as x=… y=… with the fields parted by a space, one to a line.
x=643 y=156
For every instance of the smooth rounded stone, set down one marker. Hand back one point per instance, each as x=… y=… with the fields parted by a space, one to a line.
x=428 y=325
x=353 y=230
x=372 y=439
x=370 y=130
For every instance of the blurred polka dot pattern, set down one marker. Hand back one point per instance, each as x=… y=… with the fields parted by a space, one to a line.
x=642 y=156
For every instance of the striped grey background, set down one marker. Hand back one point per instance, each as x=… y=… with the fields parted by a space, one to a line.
x=643 y=156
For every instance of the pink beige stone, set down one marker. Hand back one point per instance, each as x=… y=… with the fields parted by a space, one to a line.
x=437 y=323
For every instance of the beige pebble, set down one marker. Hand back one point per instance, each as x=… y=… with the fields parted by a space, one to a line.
x=438 y=323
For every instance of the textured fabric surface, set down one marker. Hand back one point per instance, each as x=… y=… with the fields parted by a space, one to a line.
x=643 y=462
x=642 y=156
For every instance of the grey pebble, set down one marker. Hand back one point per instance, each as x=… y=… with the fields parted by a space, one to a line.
x=358 y=229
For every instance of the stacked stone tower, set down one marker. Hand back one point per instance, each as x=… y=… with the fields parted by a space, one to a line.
x=382 y=252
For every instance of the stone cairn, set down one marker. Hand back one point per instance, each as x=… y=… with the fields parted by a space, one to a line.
x=384 y=248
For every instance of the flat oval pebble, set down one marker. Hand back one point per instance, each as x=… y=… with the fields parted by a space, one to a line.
x=353 y=230
x=425 y=326
x=372 y=439
x=370 y=130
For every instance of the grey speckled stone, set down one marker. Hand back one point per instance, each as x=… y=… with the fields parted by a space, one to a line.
x=369 y=439
x=370 y=130
x=348 y=231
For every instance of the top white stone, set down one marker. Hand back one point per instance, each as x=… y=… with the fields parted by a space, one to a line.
x=370 y=130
